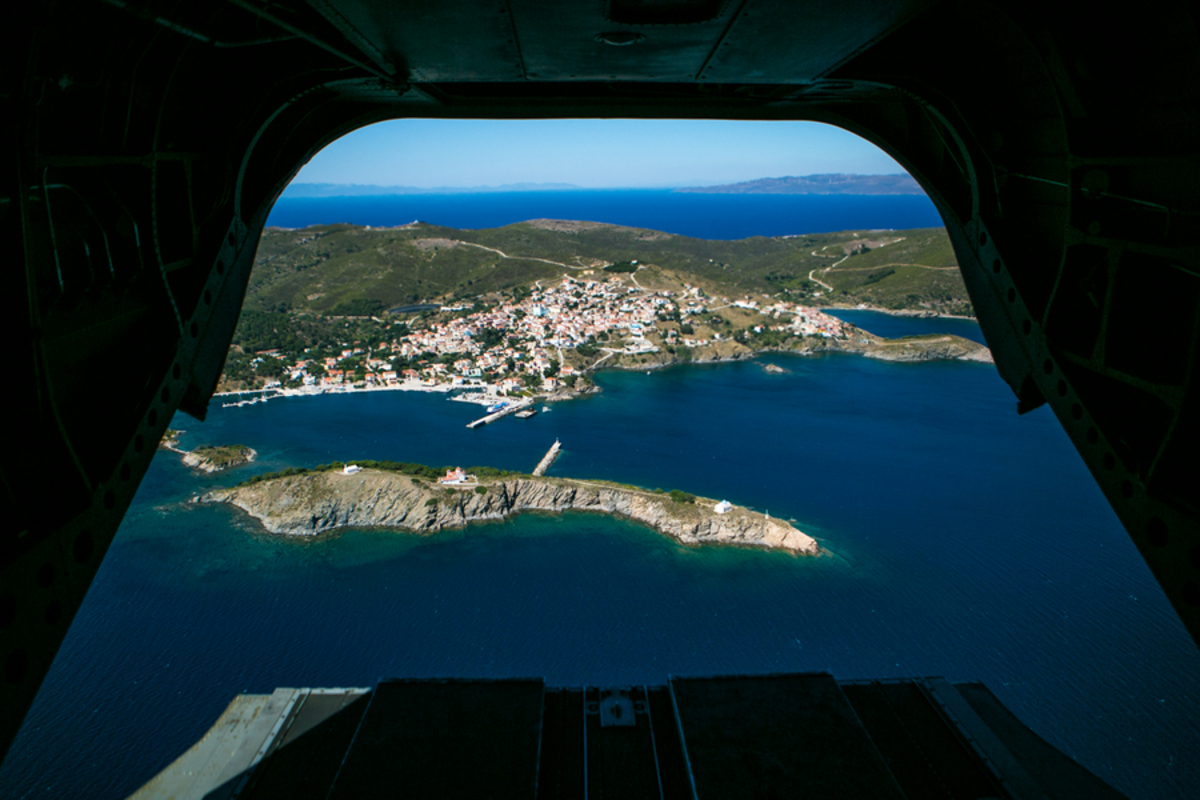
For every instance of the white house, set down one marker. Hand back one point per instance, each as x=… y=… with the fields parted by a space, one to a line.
x=454 y=477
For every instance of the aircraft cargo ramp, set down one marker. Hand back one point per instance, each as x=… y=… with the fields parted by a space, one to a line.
x=771 y=736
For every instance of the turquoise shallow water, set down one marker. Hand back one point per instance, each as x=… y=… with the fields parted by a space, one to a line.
x=963 y=541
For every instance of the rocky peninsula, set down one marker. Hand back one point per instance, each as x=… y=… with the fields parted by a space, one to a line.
x=911 y=349
x=316 y=502
x=216 y=459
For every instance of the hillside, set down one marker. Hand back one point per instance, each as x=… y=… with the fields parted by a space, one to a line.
x=356 y=271
x=335 y=304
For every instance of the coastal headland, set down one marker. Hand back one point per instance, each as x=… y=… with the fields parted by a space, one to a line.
x=317 y=502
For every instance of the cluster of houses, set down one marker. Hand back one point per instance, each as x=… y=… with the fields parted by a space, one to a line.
x=515 y=344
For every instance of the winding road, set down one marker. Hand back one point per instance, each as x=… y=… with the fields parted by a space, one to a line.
x=503 y=254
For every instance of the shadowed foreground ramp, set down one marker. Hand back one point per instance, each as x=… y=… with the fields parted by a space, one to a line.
x=770 y=736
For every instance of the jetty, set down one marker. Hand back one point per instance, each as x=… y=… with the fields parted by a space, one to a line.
x=250 y=402
x=547 y=459
x=504 y=412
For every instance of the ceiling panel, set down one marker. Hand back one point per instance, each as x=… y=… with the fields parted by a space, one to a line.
x=774 y=41
x=559 y=41
x=721 y=41
x=435 y=40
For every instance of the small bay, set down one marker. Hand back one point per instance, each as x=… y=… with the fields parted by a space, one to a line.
x=962 y=541
x=891 y=326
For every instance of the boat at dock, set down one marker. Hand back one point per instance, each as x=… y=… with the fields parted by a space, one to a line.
x=526 y=413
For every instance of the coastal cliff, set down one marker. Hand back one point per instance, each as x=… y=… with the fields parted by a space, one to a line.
x=313 y=503
x=928 y=348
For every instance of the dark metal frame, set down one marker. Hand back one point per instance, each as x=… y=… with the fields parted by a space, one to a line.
x=144 y=151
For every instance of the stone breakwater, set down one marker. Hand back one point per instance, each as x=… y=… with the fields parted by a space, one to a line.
x=311 y=504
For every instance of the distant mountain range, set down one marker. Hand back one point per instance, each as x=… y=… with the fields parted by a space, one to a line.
x=361 y=190
x=836 y=183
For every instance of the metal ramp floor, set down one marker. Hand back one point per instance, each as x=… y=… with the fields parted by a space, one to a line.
x=768 y=736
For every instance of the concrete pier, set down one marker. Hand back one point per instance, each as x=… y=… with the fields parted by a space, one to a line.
x=548 y=459
x=504 y=412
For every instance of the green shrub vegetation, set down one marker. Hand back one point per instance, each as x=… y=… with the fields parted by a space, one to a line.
x=621 y=266
x=359 y=307
x=401 y=467
x=354 y=271
x=876 y=277
x=490 y=472
x=222 y=453
x=681 y=497
x=283 y=473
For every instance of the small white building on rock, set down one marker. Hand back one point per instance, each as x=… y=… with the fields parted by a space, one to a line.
x=456 y=477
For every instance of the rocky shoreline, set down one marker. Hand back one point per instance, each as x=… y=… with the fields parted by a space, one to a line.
x=908 y=349
x=314 y=503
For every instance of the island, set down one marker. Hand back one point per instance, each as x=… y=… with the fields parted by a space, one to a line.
x=835 y=183
x=302 y=502
x=218 y=458
x=170 y=440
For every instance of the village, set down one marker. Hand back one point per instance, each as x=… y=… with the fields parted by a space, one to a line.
x=520 y=347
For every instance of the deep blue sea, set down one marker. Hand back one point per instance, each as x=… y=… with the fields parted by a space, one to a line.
x=889 y=325
x=963 y=540
x=705 y=216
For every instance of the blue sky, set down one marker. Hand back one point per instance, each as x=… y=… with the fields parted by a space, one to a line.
x=611 y=153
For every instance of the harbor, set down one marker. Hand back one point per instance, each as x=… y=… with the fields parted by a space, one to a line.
x=548 y=459
x=502 y=410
